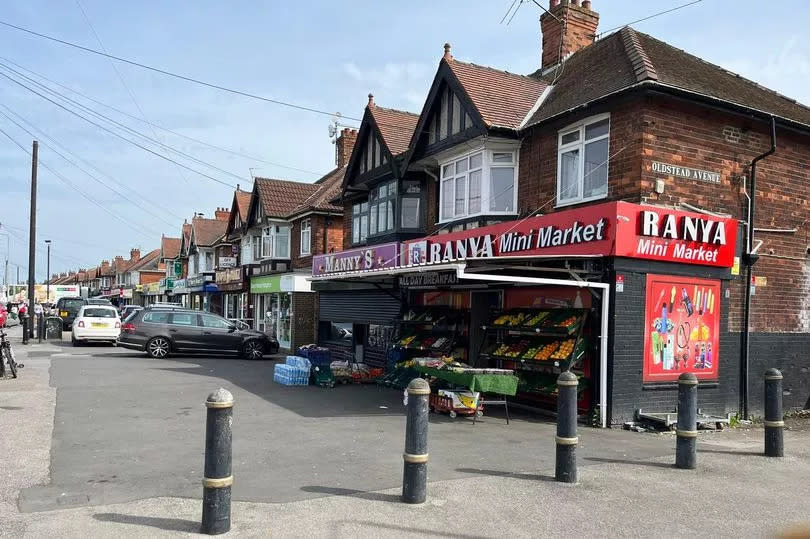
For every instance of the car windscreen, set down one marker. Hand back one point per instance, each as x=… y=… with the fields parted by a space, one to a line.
x=72 y=304
x=98 y=312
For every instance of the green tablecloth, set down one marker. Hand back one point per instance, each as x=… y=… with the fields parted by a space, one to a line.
x=502 y=384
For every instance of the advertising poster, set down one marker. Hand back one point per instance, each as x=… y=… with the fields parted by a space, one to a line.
x=681 y=328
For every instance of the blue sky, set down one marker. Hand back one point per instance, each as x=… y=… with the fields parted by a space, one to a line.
x=325 y=55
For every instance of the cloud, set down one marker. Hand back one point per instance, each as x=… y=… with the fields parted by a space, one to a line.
x=408 y=81
x=786 y=71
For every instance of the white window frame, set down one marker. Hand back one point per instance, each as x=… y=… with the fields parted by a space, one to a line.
x=487 y=165
x=580 y=144
x=270 y=232
x=306 y=237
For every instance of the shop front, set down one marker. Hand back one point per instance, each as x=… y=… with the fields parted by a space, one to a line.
x=232 y=286
x=627 y=297
x=150 y=293
x=356 y=320
x=180 y=293
x=283 y=306
x=203 y=294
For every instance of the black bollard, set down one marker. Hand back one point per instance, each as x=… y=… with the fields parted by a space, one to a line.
x=39 y=328
x=24 y=320
x=566 y=439
x=218 y=478
x=774 y=417
x=414 y=476
x=686 y=444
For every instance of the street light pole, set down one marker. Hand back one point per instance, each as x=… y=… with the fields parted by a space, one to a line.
x=48 y=274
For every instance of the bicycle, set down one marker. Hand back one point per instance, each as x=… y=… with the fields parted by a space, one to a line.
x=7 y=356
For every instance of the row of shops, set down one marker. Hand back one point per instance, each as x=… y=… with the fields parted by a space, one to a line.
x=628 y=297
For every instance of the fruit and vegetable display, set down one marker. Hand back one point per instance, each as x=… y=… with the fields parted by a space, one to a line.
x=559 y=320
x=535 y=349
x=565 y=349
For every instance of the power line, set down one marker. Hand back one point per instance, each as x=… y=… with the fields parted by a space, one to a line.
x=74 y=187
x=116 y=134
x=57 y=152
x=101 y=116
x=676 y=8
x=89 y=164
x=153 y=124
x=175 y=75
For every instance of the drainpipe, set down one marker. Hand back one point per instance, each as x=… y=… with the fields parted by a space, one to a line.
x=750 y=257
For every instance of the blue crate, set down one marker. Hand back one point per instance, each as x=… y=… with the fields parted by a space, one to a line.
x=320 y=357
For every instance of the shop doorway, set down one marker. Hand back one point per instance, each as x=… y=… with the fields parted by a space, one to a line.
x=482 y=303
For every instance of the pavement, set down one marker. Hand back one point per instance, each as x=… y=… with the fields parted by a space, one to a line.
x=107 y=443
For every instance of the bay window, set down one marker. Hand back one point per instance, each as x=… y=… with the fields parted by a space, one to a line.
x=306 y=237
x=582 y=160
x=382 y=200
x=410 y=205
x=275 y=241
x=481 y=183
x=359 y=222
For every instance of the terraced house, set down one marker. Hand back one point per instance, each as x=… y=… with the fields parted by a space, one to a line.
x=626 y=190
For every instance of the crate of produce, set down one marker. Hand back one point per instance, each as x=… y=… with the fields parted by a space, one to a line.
x=322 y=376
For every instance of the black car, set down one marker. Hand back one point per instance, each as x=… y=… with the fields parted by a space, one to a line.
x=128 y=310
x=67 y=308
x=159 y=332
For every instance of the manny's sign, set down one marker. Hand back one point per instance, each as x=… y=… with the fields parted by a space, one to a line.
x=610 y=229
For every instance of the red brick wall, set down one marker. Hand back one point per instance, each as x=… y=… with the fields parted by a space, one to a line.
x=688 y=135
x=537 y=175
x=150 y=277
x=334 y=238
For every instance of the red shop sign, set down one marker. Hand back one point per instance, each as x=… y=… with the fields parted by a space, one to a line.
x=609 y=229
x=674 y=236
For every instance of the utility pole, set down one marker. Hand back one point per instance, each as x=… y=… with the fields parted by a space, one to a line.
x=32 y=237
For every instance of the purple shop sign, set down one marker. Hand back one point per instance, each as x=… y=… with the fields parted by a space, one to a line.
x=385 y=255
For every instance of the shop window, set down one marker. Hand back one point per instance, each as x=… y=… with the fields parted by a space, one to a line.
x=464 y=193
x=306 y=237
x=582 y=161
x=336 y=332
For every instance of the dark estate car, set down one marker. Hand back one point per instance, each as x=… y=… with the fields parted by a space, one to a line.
x=160 y=332
x=67 y=309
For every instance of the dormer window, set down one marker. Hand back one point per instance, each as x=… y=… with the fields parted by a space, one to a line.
x=478 y=183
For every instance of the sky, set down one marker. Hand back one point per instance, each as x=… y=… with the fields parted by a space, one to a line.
x=322 y=55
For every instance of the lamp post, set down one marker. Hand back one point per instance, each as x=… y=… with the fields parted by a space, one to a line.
x=48 y=274
x=5 y=271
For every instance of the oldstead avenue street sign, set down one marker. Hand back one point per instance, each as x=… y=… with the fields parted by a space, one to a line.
x=685 y=172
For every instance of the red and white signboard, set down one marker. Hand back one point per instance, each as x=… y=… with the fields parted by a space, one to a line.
x=611 y=229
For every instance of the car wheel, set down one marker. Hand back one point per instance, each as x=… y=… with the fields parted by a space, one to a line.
x=158 y=347
x=254 y=350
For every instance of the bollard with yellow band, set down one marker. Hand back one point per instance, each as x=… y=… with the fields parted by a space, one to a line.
x=686 y=440
x=566 y=439
x=216 y=513
x=414 y=477
x=774 y=415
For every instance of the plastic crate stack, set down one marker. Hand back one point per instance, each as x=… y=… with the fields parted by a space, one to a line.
x=318 y=356
x=294 y=372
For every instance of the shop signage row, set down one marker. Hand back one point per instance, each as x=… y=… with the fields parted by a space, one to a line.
x=227 y=276
x=611 y=229
x=180 y=287
x=227 y=262
x=151 y=289
x=284 y=282
x=427 y=279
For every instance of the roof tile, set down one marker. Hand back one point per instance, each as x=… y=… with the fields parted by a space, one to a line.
x=396 y=127
x=279 y=198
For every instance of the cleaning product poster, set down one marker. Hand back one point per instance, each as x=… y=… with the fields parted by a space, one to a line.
x=681 y=328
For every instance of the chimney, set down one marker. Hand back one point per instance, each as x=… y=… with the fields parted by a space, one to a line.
x=371 y=101
x=567 y=27
x=344 y=146
x=105 y=264
x=222 y=214
x=135 y=254
x=119 y=258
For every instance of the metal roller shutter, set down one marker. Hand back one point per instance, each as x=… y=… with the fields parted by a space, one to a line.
x=359 y=306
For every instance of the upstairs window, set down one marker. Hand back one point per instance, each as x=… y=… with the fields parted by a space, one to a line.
x=275 y=241
x=481 y=183
x=382 y=200
x=306 y=237
x=359 y=222
x=582 y=161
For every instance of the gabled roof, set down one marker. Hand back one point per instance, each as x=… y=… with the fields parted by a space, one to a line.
x=148 y=262
x=106 y=271
x=206 y=232
x=329 y=187
x=185 y=239
x=502 y=99
x=169 y=247
x=279 y=198
x=395 y=127
x=243 y=203
x=627 y=58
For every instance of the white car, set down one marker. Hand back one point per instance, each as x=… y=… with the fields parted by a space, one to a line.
x=96 y=323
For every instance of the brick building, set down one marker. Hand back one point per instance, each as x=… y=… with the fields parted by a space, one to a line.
x=646 y=143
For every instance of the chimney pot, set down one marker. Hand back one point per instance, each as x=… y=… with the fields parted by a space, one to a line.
x=370 y=100
x=447 y=55
x=586 y=4
x=563 y=35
